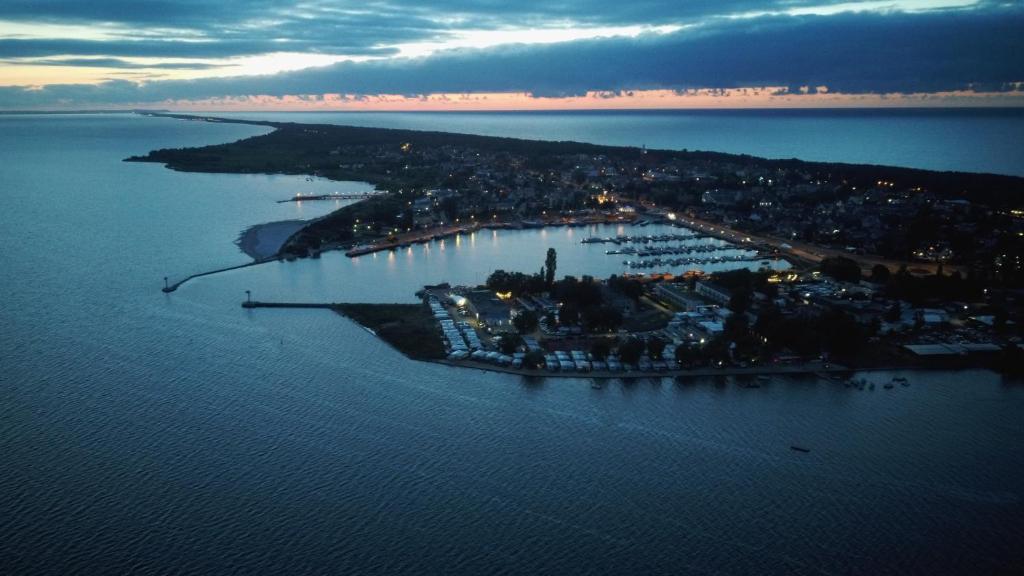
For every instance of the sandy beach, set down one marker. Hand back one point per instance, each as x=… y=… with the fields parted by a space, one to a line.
x=264 y=240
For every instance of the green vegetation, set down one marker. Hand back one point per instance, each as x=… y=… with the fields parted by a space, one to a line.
x=655 y=348
x=631 y=349
x=628 y=287
x=841 y=268
x=507 y=343
x=526 y=321
x=410 y=328
x=516 y=283
x=934 y=287
x=550 y=264
x=600 y=348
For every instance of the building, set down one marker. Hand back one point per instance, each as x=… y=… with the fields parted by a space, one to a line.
x=678 y=296
x=487 y=308
x=720 y=197
x=713 y=292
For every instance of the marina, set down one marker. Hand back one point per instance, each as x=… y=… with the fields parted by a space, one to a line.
x=672 y=250
x=627 y=239
x=700 y=261
x=335 y=196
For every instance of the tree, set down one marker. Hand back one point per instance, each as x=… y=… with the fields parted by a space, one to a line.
x=550 y=263
x=449 y=207
x=601 y=318
x=736 y=327
x=508 y=343
x=655 y=347
x=630 y=350
x=841 y=268
x=533 y=359
x=739 y=302
x=717 y=349
x=687 y=355
x=880 y=274
x=600 y=349
x=584 y=292
x=525 y=322
x=628 y=287
x=770 y=325
x=569 y=314
x=840 y=333
x=515 y=282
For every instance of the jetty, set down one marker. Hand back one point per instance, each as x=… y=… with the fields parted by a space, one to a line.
x=171 y=287
x=256 y=304
x=649 y=239
x=354 y=196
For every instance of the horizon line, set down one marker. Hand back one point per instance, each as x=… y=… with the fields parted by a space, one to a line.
x=512 y=110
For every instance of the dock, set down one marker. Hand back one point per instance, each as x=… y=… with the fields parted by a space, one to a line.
x=171 y=287
x=417 y=237
x=301 y=198
x=256 y=304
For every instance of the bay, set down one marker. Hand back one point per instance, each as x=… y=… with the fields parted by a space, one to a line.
x=148 y=433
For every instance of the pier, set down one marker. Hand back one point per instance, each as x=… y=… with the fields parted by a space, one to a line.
x=171 y=287
x=256 y=304
x=625 y=238
x=301 y=198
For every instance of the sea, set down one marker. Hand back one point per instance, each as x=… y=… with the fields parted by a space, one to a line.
x=152 y=433
x=955 y=139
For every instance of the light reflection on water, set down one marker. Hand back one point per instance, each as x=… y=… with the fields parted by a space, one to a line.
x=148 y=433
x=382 y=276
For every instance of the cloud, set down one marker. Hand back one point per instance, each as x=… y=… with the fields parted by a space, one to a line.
x=437 y=14
x=866 y=52
x=124 y=64
x=46 y=47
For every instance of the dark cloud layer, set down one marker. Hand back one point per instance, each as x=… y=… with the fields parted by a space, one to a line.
x=34 y=48
x=867 y=52
x=124 y=64
x=436 y=14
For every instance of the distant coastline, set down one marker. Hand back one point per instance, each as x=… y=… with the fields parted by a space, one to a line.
x=58 y=112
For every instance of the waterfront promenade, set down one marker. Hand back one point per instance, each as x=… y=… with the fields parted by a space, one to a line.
x=810 y=368
x=421 y=236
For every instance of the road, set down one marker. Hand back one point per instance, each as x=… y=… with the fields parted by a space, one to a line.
x=806 y=255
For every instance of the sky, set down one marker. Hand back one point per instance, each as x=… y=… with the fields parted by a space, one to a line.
x=502 y=54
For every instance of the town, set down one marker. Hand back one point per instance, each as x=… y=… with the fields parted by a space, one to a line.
x=888 y=265
x=754 y=321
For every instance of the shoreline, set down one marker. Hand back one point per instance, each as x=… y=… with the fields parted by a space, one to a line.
x=262 y=241
x=440 y=233
x=829 y=371
x=753 y=371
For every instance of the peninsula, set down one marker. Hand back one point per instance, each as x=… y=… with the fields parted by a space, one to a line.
x=891 y=266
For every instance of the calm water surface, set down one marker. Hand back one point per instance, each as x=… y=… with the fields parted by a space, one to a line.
x=153 y=434
x=943 y=139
